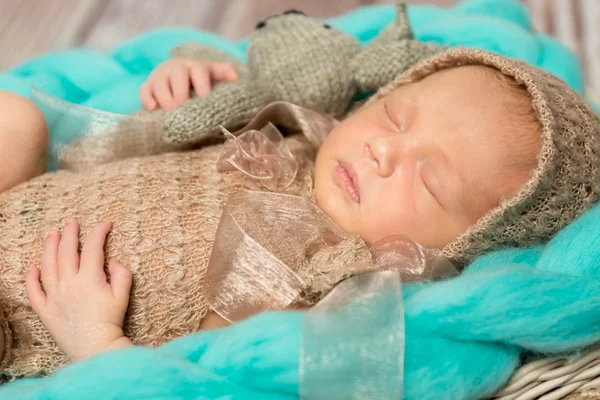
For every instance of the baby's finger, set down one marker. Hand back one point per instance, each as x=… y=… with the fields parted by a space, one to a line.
x=200 y=80
x=33 y=286
x=120 y=280
x=146 y=97
x=50 y=261
x=180 y=85
x=92 y=253
x=223 y=72
x=68 y=250
x=162 y=93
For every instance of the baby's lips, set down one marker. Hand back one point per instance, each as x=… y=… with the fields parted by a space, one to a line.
x=353 y=175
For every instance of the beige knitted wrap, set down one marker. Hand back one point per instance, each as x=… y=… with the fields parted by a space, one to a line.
x=165 y=209
x=566 y=181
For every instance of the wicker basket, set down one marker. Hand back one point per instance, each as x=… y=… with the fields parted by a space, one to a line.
x=575 y=377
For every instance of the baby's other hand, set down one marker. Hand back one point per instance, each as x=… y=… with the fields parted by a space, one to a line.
x=83 y=312
x=170 y=83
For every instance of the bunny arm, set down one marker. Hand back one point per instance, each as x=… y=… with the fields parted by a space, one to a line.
x=378 y=65
x=231 y=105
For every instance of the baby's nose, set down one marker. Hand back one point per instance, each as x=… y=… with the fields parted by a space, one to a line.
x=383 y=151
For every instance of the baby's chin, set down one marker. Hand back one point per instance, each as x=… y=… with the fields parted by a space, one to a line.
x=336 y=208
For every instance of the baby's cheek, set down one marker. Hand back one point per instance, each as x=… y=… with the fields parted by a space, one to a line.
x=343 y=215
x=426 y=229
x=379 y=223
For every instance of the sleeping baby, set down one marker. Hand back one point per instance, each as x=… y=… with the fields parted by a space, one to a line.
x=468 y=152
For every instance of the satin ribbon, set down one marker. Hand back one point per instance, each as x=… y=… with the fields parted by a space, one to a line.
x=264 y=237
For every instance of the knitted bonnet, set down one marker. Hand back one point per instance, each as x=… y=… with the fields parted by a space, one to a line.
x=566 y=181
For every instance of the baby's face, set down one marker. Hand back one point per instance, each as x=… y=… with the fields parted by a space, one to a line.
x=427 y=161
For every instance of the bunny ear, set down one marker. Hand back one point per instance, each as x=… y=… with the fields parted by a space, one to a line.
x=400 y=29
x=392 y=52
x=402 y=24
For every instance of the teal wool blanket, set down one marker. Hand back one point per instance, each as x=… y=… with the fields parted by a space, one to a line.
x=463 y=337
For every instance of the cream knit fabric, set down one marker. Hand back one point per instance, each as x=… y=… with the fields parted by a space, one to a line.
x=165 y=211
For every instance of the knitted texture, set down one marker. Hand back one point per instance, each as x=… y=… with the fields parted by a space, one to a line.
x=393 y=51
x=231 y=105
x=112 y=138
x=292 y=58
x=306 y=61
x=586 y=394
x=566 y=181
x=165 y=211
x=297 y=59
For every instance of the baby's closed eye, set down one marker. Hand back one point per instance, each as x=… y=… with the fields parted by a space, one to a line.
x=397 y=125
x=430 y=181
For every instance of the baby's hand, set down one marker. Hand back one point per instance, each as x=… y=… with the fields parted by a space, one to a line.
x=169 y=84
x=82 y=311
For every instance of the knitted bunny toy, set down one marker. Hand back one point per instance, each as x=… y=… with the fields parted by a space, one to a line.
x=295 y=58
x=291 y=57
x=392 y=52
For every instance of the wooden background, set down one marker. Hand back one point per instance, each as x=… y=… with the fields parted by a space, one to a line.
x=32 y=27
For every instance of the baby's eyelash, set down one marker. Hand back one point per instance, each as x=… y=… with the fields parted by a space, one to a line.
x=425 y=181
x=428 y=187
x=387 y=111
